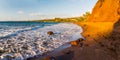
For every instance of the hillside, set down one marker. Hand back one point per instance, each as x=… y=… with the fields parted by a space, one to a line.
x=71 y=19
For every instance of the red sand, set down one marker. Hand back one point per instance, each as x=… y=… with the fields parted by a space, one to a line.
x=105 y=48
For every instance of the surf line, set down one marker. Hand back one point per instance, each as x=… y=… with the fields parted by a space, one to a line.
x=20 y=31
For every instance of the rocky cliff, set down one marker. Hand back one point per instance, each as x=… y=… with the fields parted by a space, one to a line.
x=105 y=11
x=102 y=30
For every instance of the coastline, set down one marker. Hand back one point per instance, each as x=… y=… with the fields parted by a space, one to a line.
x=93 y=48
x=28 y=43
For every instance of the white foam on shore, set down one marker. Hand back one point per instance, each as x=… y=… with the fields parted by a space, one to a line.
x=34 y=42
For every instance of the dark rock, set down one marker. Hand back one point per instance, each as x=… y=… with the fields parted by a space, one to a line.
x=80 y=39
x=50 y=33
x=78 y=42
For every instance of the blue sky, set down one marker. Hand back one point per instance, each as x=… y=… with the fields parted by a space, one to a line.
x=43 y=9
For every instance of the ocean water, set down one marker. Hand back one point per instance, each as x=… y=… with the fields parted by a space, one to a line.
x=9 y=28
x=21 y=40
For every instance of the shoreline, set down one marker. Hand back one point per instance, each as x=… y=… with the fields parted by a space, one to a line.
x=34 y=42
x=92 y=49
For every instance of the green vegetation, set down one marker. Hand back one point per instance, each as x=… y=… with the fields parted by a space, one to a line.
x=73 y=19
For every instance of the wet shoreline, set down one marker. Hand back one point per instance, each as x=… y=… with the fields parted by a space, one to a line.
x=36 y=42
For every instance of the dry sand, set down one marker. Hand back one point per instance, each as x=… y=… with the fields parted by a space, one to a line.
x=104 y=47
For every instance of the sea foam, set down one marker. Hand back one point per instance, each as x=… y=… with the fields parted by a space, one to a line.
x=30 y=42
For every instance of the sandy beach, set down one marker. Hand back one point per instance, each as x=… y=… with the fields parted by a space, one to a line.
x=106 y=47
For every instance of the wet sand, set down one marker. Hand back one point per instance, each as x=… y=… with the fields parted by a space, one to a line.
x=102 y=48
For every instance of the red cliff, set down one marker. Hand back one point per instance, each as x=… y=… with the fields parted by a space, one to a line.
x=106 y=11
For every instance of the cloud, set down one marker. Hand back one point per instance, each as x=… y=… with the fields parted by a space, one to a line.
x=34 y=14
x=20 y=12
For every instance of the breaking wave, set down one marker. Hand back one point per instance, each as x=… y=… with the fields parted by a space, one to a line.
x=20 y=44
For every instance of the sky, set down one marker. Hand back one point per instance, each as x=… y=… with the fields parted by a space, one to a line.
x=15 y=10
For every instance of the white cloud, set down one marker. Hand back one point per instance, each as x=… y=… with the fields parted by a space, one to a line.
x=34 y=14
x=20 y=12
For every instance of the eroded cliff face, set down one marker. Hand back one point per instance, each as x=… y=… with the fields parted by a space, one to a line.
x=101 y=22
x=105 y=11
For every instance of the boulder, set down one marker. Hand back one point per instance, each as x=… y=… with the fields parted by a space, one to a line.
x=50 y=33
x=78 y=42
